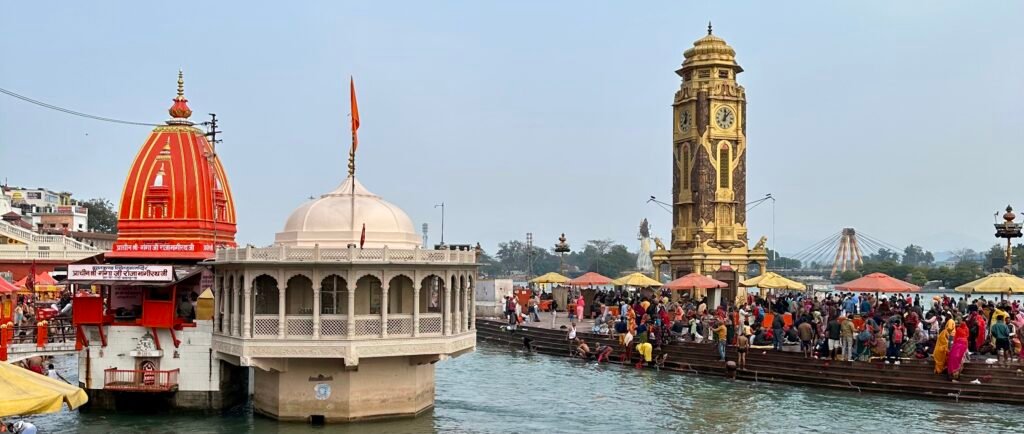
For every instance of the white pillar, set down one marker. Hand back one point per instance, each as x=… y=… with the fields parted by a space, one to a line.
x=456 y=316
x=415 y=308
x=232 y=307
x=447 y=305
x=384 y=309
x=472 y=307
x=351 y=317
x=316 y=312
x=246 y=310
x=282 y=324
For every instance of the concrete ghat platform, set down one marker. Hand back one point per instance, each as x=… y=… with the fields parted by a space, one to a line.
x=911 y=377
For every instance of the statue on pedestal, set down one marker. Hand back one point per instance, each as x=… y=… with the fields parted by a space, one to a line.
x=643 y=259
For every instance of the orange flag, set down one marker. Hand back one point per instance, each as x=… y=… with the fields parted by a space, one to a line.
x=355 y=114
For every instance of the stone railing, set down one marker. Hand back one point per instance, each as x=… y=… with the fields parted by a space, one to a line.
x=281 y=253
x=21 y=252
x=335 y=327
x=25 y=235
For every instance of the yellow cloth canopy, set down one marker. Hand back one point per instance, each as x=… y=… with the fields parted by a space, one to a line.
x=771 y=280
x=639 y=280
x=25 y=392
x=995 y=283
x=551 y=277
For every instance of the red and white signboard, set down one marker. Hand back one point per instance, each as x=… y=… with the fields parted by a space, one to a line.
x=168 y=247
x=120 y=272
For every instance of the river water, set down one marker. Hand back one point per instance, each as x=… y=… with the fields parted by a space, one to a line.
x=499 y=389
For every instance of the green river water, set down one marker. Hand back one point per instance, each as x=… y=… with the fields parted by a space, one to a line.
x=499 y=389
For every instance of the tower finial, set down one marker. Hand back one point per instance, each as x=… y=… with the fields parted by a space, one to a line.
x=181 y=83
x=709 y=27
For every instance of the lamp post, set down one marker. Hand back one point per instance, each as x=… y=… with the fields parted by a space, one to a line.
x=1009 y=230
x=442 y=221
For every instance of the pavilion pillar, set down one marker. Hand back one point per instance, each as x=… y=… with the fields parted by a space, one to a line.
x=447 y=305
x=316 y=312
x=282 y=321
x=351 y=317
x=456 y=309
x=246 y=313
x=472 y=306
x=415 y=309
x=232 y=308
x=384 y=309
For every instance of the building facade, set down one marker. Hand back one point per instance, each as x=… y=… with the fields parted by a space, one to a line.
x=709 y=144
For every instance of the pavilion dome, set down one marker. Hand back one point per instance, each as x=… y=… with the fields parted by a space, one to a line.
x=331 y=221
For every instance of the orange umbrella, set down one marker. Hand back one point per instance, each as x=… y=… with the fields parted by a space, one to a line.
x=590 y=279
x=878 y=282
x=694 y=281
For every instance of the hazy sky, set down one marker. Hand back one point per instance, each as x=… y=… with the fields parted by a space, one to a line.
x=901 y=119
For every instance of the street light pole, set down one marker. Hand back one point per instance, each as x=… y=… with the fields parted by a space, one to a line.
x=442 y=221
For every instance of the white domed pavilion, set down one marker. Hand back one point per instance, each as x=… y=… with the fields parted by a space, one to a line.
x=339 y=326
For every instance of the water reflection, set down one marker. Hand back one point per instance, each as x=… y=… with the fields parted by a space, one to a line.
x=502 y=390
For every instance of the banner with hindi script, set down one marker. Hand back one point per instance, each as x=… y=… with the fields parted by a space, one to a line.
x=120 y=272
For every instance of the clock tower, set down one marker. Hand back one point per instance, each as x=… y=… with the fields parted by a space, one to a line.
x=709 y=189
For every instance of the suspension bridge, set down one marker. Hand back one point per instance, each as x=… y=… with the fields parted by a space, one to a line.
x=839 y=252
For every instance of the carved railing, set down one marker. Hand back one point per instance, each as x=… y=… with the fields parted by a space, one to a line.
x=430 y=324
x=368 y=325
x=400 y=325
x=300 y=325
x=265 y=325
x=281 y=253
x=333 y=326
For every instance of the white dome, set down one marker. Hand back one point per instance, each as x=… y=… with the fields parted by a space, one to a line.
x=330 y=222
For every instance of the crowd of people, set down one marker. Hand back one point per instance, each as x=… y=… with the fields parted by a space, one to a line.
x=839 y=326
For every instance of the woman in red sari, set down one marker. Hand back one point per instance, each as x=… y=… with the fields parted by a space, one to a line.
x=958 y=353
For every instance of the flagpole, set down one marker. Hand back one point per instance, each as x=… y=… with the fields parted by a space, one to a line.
x=354 y=117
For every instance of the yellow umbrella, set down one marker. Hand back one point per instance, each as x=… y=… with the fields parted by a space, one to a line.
x=551 y=277
x=639 y=280
x=995 y=283
x=771 y=280
x=26 y=392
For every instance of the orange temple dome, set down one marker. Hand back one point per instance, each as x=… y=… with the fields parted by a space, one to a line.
x=176 y=202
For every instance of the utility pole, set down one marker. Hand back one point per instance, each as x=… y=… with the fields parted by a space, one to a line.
x=211 y=157
x=442 y=221
x=529 y=255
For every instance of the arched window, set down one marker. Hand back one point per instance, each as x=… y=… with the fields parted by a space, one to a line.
x=723 y=166
x=431 y=294
x=332 y=296
x=299 y=296
x=266 y=295
x=400 y=295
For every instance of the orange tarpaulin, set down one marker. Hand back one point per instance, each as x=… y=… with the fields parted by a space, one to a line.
x=41 y=279
x=878 y=282
x=694 y=281
x=590 y=279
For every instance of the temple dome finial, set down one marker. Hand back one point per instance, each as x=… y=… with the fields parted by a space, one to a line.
x=180 y=110
x=709 y=32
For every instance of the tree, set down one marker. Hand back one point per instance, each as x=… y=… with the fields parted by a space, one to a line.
x=915 y=256
x=883 y=255
x=849 y=275
x=965 y=256
x=776 y=261
x=995 y=258
x=102 y=217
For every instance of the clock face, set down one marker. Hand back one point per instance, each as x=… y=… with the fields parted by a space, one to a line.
x=724 y=117
x=684 y=121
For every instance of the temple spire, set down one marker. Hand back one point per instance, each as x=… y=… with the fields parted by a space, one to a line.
x=181 y=84
x=709 y=27
x=180 y=111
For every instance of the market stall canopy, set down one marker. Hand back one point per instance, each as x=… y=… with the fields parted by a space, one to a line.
x=995 y=283
x=694 y=281
x=639 y=280
x=26 y=392
x=878 y=282
x=551 y=277
x=590 y=279
x=6 y=286
x=41 y=279
x=772 y=280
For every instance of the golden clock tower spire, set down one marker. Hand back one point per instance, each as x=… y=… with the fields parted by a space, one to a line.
x=709 y=144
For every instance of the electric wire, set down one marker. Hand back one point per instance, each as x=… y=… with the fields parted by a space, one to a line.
x=73 y=112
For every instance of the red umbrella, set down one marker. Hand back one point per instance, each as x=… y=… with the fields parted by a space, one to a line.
x=878 y=282
x=694 y=281
x=590 y=279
